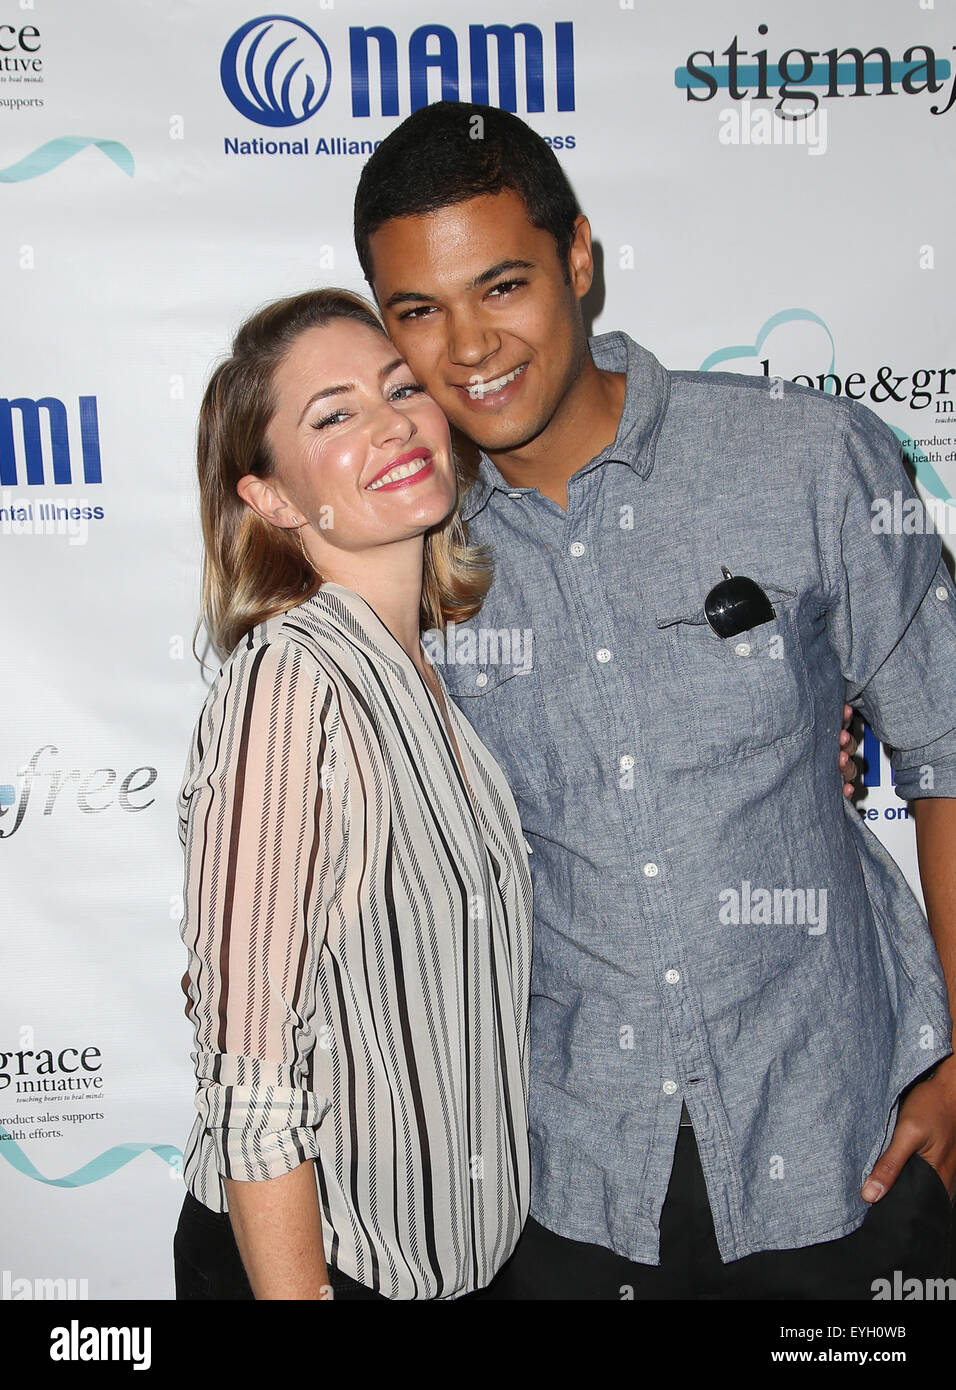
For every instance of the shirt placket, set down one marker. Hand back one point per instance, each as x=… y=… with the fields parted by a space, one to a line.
x=686 y=1071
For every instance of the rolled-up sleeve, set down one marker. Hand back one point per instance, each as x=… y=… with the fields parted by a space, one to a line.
x=892 y=618
x=260 y=826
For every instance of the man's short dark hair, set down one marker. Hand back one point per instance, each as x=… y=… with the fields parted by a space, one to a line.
x=454 y=150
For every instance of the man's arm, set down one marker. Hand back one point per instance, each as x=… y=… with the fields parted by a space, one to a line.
x=922 y=1126
x=891 y=621
x=279 y=1234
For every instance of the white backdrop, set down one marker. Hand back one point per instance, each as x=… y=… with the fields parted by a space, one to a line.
x=140 y=223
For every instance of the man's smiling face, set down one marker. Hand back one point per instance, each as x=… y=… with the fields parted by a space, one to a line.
x=476 y=300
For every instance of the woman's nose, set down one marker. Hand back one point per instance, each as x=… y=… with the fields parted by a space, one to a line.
x=392 y=423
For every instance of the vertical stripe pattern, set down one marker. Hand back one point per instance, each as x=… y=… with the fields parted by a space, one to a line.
x=359 y=952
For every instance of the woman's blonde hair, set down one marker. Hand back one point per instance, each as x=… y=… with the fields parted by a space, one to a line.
x=252 y=569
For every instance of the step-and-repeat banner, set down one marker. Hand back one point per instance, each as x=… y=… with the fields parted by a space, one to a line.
x=158 y=180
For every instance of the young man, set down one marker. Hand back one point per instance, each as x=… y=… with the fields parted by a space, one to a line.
x=733 y=985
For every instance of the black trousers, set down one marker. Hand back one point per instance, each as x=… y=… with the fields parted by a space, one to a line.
x=907 y=1230
x=208 y=1264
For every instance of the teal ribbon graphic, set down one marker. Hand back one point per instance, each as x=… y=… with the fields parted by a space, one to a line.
x=54 y=152
x=101 y=1167
x=752 y=350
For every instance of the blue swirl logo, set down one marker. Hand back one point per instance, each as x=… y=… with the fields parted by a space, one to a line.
x=276 y=71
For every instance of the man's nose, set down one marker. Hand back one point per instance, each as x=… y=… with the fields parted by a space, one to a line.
x=471 y=339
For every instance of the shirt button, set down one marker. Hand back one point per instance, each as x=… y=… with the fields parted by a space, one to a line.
x=577 y=548
x=481 y=679
x=942 y=594
x=514 y=494
x=651 y=871
x=669 y=1087
x=603 y=654
x=672 y=976
x=742 y=649
x=627 y=762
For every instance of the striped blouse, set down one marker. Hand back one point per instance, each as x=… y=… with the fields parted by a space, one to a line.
x=359 y=952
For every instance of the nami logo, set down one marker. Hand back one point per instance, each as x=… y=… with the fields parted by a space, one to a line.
x=276 y=70
x=41 y=451
x=36 y=452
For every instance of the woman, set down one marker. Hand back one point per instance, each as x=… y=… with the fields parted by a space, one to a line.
x=357 y=896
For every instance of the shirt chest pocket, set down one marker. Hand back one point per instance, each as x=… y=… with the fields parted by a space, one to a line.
x=738 y=695
x=504 y=706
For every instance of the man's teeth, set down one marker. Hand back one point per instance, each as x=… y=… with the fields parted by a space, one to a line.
x=479 y=389
x=404 y=470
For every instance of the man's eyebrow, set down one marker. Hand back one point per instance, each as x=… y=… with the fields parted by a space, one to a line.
x=343 y=388
x=492 y=273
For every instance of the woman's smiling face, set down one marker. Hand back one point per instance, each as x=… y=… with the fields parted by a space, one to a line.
x=360 y=451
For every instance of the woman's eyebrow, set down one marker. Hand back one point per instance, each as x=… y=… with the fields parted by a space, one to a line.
x=344 y=387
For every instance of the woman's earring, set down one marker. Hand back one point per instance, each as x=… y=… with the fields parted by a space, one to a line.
x=298 y=533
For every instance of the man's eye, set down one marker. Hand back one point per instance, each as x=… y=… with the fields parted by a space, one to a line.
x=506 y=286
x=418 y=312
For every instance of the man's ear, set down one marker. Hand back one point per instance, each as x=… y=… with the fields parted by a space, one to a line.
x=263 y=497
x=580 y=257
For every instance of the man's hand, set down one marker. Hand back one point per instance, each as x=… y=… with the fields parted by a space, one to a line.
x=848 y=767
x=927 y=1118
x=926 y=1125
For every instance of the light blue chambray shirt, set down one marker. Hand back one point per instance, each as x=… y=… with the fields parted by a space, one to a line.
x=713 y=921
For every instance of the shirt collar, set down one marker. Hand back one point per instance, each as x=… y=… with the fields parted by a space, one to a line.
x=645 y=402
x=355 y=618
